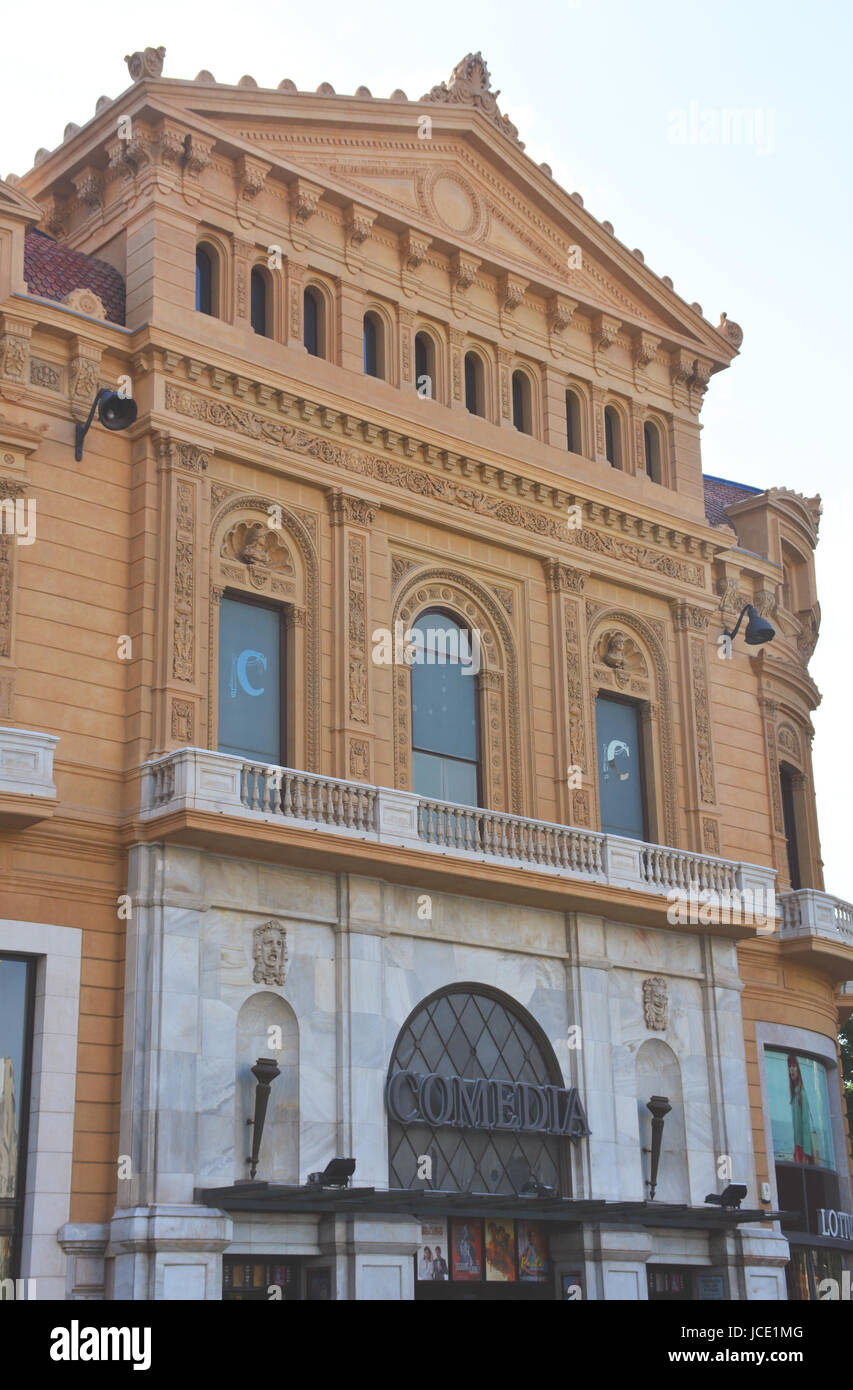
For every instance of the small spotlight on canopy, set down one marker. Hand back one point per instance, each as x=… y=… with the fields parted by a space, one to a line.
x=115 y=412
x=758 y=629
x=730 y=1197
x=335 y=1174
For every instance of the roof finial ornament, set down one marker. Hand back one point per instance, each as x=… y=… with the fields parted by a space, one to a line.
x=145 y=63
x=470 y=84
x=730 y=330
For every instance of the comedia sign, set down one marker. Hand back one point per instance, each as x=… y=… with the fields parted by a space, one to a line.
x=428 y=1098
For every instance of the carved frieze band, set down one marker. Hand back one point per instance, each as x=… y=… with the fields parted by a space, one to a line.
x=435 y=488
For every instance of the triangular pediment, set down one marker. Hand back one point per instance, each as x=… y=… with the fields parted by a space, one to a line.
x=453 y=193
x=15 y=202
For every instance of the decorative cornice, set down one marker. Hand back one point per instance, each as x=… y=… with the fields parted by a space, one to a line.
x=248 y=423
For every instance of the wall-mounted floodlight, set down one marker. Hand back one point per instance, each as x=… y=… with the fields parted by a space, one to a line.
x=115 y=412
x=758 y=629
x=730 y=1198
x=336 y=1173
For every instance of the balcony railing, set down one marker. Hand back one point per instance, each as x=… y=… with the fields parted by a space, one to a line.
x=196 y=779
x=27 y=791
x=809 y=912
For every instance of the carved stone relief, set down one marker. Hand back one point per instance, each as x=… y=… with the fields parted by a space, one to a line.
x=269 y=949
x=655 y=1003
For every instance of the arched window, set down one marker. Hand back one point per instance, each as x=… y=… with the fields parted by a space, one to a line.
x=261 y=315
x=573 y=423
x=521 y=412
x=458 y=1050
x=205 y=259
x=475 y=394
x=613 y=436
x=445 y=736
x=314 y=322
x=651 y=442
x=425 y=365
x=374 y=345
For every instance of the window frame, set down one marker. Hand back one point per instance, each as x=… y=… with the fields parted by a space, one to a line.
x=655 y=472
x=260 y=275
x=256 y=601
x=208 y=251
x=17 y=1203
x=644 y=750
x=574 y=422
x=479 y=382
x=377 y=320
x=463 y=627
x=432 y=362
x=318 y=298
x=522 y=377
x=617 y=434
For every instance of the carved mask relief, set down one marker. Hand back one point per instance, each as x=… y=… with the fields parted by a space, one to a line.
x=655 y=1003
x=270 y=953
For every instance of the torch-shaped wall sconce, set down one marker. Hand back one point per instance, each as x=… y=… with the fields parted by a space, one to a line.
x=265 y=1071
x=660 y=1108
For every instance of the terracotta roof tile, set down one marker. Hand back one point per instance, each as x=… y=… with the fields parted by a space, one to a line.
x=52 y=270
x=720 y=493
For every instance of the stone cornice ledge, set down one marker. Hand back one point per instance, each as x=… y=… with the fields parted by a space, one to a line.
x=291 y=433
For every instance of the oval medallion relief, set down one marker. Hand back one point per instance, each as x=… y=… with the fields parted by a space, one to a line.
x=455 y=204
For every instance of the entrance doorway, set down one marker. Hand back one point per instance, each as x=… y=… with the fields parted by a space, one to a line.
x=670 y=1283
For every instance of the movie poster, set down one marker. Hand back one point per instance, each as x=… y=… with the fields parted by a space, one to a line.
x=432 y=1253
x=500 y=1251
x=467 y=1247
x=532 y=1252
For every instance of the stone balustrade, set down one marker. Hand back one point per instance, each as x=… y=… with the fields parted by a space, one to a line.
x=199 y=780
x=809 y=912
x=27 y=791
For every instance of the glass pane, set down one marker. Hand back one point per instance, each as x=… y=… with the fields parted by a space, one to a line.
x=259 y=303
x=13 y=1015
x=311 y=336
x=619 y=769
x=460 y=782
x=472 y=402
x=426 y=775
x=444 y=688
x=799 y=1109
x=370 y=352
x=249 y=681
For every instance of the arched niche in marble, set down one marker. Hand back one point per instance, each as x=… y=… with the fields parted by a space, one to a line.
x=501 y=733
x=259 y=547
x=658 y=1073
x=279 y=1154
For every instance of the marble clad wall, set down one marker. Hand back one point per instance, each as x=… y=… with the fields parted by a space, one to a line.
x=359 y=959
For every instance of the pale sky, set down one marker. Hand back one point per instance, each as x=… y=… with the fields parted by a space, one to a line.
x=601 y=90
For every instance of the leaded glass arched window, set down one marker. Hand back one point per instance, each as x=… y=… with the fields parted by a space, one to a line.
x=475 y=1035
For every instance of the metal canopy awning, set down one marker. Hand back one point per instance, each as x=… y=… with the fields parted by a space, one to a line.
x=272 y=1197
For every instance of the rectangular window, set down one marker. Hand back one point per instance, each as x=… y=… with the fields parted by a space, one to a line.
x=17 y=990
x=790 y=822
x=799 y=1109
x=620 y=768
x=251 y=684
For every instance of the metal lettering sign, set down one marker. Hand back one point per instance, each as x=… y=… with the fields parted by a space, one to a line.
x=429 y=1098
x=838 y=1224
